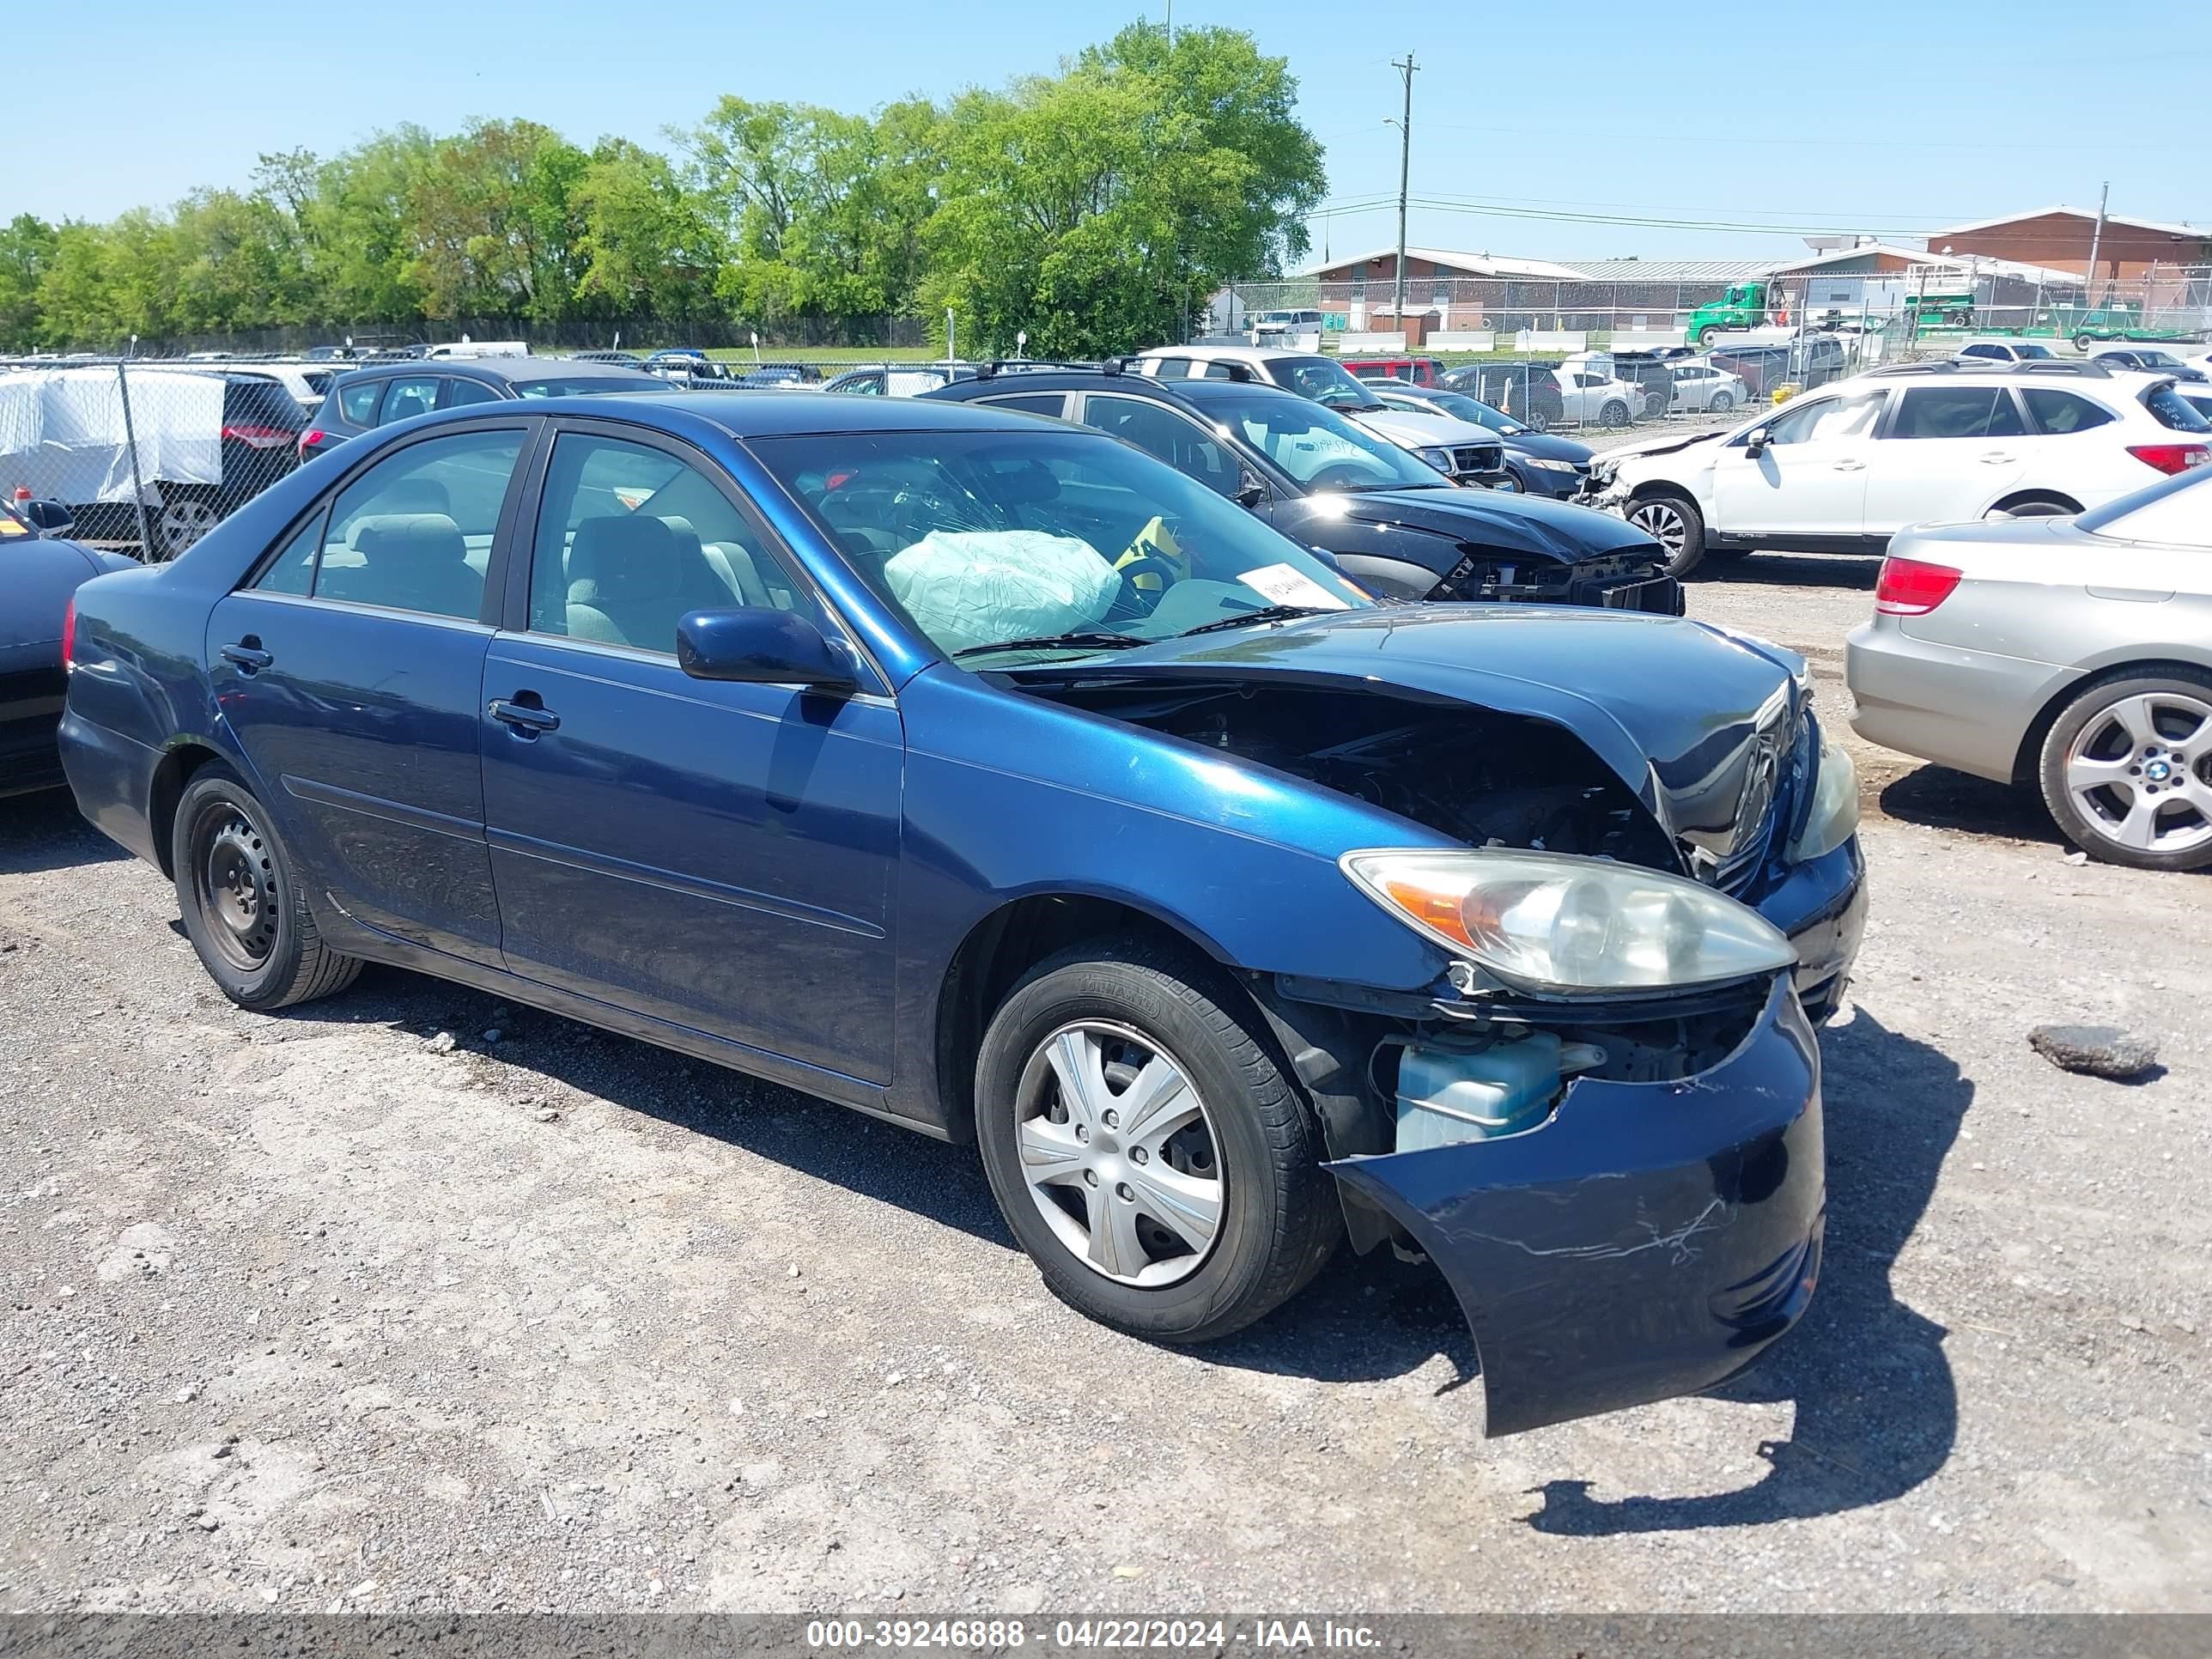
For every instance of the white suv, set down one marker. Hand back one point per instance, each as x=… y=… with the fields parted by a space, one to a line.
x=1467 y=454
x=1838 y=470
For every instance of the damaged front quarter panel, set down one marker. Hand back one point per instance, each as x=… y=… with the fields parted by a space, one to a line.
x=1648 y=1239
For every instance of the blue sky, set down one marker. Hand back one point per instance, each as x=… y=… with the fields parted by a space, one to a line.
x=1869 y=116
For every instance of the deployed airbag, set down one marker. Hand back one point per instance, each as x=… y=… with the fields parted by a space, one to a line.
x=966 y=587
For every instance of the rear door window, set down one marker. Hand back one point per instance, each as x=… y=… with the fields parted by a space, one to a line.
x=468 y=391
x=1957 y=411
x=414 y=532
x=413 y=394
x=1031 y=402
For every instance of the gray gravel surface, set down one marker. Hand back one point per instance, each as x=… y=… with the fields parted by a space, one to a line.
x=356 y=1307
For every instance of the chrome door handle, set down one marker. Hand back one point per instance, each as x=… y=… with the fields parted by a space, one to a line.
x=250 y=659
x=1851 y=466
x=1995 y=458
x=526 y=722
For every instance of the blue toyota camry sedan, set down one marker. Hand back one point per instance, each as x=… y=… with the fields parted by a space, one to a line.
x=989 y=776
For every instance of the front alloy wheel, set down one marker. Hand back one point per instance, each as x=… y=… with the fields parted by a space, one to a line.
x=1675 y=526
x=2127 y=772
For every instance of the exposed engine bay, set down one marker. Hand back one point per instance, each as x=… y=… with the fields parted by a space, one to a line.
x=1480 y=777
x=1435 y=1071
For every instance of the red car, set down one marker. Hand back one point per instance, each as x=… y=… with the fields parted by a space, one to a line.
x=1420 y=371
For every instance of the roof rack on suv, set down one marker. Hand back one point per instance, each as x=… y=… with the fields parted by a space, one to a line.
x=996 y=366
x=2083 y=370
x=1928 y=366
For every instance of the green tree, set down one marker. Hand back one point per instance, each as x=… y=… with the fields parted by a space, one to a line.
x=27 y=251
x=1096 y=208
x=646 y=244
x=492 y=226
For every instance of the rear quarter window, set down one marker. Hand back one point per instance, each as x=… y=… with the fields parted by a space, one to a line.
x=357 y=400
x=2057 y=413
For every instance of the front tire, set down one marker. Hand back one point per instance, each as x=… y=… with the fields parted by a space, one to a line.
x=245 y=910
x=1675 y=523
x=1145 y=1147
x=2127 y=770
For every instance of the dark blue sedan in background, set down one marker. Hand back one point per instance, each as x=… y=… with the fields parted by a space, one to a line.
x=40 y=574
x=986 y=775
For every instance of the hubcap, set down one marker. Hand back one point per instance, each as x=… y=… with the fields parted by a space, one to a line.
x=1118 y=1154
x=184 y=523
x=235 y=882
x=2140 y=772
x=1663 y=524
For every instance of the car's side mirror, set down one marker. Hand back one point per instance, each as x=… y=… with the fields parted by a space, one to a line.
x=1755 y=441
x=48 y=515
x=1251 y=492
x=754 y=645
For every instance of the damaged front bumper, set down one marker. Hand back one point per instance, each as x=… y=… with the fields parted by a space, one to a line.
x=1647 y=1240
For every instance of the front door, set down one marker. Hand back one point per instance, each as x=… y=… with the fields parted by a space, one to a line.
x=721 y=856
x=349 y=670
x=1948 y=451
x=1809 y=479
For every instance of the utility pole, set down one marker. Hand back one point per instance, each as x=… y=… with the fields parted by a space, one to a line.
x=2097 y=236
x=1405 y=166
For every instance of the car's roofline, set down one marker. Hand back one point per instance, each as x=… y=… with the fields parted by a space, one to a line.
x=745 y=415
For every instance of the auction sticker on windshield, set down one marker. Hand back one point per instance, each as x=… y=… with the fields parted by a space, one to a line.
x=1285 y=584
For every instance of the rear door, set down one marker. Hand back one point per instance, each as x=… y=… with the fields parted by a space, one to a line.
x=719 y=856
x=1945 y=451
x=349 y=669
x=1810 y=479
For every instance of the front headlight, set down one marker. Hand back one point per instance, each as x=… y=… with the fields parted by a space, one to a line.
x=1439 y=459
x=1548 y=923
x=1547 y=464
x=1833 y=818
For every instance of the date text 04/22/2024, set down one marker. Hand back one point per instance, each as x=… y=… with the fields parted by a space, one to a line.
x=1079 y=1635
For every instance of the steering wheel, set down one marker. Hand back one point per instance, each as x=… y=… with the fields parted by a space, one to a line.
x=1135 y=601
x=1339 y=473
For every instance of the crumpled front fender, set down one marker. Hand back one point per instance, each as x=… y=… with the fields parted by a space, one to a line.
x=1648 y=1240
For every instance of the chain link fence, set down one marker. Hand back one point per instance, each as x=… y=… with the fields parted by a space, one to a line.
x=148 y=456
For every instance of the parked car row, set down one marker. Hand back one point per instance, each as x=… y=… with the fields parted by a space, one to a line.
x=987 y=774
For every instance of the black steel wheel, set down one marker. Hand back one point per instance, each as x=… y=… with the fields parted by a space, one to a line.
x=244 y=909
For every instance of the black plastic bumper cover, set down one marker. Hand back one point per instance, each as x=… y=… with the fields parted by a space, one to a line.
x=1649 y=1240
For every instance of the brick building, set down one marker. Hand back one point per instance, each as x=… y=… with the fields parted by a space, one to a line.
x=2060 y=236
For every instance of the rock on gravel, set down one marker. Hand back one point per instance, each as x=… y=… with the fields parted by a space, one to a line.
x=2094 y=1050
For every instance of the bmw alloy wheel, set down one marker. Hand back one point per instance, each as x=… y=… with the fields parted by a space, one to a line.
x=1120 y=1155
x=2140 y=772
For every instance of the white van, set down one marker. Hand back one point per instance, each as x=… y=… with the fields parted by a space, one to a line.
x=481 y=349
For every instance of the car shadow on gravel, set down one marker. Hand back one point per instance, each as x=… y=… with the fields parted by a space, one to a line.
x=1938 y=798
x=1877 y=1405
x=846 y=1149
x=45 y=831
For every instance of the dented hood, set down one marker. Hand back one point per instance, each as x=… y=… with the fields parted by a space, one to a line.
x=1698 y=722
x=1498 y=521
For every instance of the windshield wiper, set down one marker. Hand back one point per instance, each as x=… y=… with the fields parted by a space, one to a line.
x=1044 y=641
x=1264 y=614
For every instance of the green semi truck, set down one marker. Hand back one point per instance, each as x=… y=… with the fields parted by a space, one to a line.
x=1761 y=304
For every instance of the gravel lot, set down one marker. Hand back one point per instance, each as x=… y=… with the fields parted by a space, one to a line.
x=360 y=1307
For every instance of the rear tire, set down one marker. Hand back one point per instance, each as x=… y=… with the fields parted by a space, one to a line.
x=2035 y=506
x=1675 y=523
x=184 y=516
x=2128 y=765
x=1722 y=404
x=1613 y=414
x=245 y=910
x=1116 y=1214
